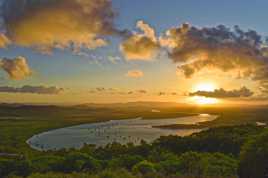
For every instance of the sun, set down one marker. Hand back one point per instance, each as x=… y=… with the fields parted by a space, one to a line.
x=201 y=100
x=206 y=86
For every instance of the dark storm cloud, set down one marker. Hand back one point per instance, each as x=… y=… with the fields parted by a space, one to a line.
x=32 y=90
x=221 y=93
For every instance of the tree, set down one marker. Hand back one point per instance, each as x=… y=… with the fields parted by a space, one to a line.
x=144 y=167
x=77 y=161
x=15 y=167
x=253 y=157
x=125 y=161
x=44 y=164
x=190 y=164
x=121 y=173
x=207 y=165
x=169 y=166
x=218 y=165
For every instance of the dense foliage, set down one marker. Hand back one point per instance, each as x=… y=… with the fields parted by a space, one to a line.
x=210 y=154
x=253 y=157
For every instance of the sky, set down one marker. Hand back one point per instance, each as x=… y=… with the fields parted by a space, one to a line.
x=120 y=51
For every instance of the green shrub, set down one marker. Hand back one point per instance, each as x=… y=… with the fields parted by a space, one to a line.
x=60 y=175
x=125 y=161
x=218 y=165
x=207 y=165
x=254 y=157
x=14 y=167
x=144 y=167
x=121 y=173
x=76 y=162
x=48 y=164
x=169 y=166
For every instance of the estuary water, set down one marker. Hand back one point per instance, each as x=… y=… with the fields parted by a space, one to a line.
x=121 y=131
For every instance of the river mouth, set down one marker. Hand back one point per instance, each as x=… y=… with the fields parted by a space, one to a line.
x=121 y=131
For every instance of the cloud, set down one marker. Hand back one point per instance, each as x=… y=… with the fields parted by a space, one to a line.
x=16 y=68
x=130 y=92
x=32 y=90
x=228 y=50
x=166 y=93
x=4 y=41
x=217 y=47
x=100 y=89
x=221 y=93
x=116 y=91
x=114 y=59
x=140 y=46
x=49 y=24
x=161 y=93
x=142 y=91
x=134 y=74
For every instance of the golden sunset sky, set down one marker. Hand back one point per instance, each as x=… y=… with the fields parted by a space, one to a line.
x=107 y=51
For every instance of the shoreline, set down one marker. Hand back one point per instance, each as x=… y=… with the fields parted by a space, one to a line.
x=181 y=126
x=30 y=141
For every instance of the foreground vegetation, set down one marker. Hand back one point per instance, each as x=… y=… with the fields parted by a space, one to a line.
x=222 y=152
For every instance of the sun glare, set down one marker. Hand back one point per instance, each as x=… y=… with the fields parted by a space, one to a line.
x=201 y=100
x=205 y=87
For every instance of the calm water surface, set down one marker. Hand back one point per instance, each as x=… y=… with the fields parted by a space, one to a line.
x=122 y=131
